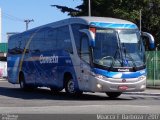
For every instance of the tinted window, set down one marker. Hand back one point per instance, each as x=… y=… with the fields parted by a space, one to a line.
x=77 y=34
x=85 y=49
x=51 y=38
x=16 y=45
x=63 y=39
x=37 y=41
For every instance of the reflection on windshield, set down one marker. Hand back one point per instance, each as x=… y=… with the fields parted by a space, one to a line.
x=118 y=48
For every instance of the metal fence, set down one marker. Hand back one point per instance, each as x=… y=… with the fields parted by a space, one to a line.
x=153 y=68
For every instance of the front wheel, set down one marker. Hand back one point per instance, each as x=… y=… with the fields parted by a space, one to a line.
x=70 y=88
x=113 y=94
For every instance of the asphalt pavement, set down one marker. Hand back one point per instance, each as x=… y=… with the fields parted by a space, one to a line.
x=43 y=101
x=152 y=91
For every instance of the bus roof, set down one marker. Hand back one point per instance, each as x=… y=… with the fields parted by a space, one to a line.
x=101 y=19
x=105 y=22
x=89 y=21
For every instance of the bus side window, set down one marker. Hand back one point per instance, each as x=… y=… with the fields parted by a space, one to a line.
x=64 y=39
x=78 y=35
x=51 y=38
x=84 y=54
x=36 y=44
x=16 y=45
x=12 y=46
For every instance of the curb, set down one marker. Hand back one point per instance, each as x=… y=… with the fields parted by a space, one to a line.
x=3 y=79
x=154 y=87
x=143 y=93
x=150 y=91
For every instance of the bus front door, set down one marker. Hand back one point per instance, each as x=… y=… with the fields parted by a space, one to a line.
x=85 y=62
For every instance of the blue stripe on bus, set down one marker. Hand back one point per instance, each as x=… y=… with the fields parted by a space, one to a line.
x=120 y=74
x=113 y=25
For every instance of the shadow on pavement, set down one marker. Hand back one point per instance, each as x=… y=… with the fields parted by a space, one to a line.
x=47 y=94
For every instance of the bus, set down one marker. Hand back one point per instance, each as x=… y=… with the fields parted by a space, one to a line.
x=80 y=54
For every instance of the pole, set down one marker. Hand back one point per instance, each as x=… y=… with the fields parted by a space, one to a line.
x=154 y=62
x=27 y=22
x=140 y=21
x=156 y=68
x=89 y=7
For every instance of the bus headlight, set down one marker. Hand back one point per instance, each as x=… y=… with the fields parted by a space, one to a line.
x=99 y=86
x=142 y=77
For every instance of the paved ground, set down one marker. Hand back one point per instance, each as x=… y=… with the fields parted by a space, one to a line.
x=43 y=102
x=149 y=91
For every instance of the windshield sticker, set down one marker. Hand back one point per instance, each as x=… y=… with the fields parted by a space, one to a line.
x=128 y=38
x=105 y=31
x=113 y=25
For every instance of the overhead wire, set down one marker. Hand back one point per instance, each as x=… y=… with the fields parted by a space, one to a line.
x=11 y=17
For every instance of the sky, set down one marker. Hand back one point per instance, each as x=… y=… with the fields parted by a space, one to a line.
x=14 y=12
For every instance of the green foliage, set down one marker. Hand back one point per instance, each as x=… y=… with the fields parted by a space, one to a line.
x=124 y=9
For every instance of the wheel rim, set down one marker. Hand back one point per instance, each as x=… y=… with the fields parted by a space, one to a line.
x=70 y=86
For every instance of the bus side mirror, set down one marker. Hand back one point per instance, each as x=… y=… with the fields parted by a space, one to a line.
x=151 y=39
x=90 y=35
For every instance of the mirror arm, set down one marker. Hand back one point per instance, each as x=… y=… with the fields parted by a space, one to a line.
x=91 y=36
x=151 y=39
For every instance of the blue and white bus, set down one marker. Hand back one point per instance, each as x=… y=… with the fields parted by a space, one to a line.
x=81 y=54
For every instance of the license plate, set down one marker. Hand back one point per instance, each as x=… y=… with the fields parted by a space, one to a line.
x=124 y=87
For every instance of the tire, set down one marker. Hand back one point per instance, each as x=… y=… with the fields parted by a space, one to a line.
x=113 y=94
x=22 y=82
x=69 y=88
x=24 y=86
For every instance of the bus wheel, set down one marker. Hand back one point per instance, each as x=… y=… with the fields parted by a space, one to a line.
x=69 y=87
x=22 y=82
x=113 y=94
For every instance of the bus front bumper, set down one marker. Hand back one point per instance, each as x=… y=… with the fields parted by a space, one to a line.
x=119 y=85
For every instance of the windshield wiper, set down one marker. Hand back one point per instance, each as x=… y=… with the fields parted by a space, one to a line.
x=127 y=53
x=121 y=47
x=118 y=50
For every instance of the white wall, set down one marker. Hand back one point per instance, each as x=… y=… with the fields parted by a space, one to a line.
x=0 y=25
x=3 y=69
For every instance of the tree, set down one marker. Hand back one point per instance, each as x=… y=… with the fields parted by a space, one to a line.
x=124 y=9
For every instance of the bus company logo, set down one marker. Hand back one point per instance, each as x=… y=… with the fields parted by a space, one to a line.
x=123 y=70
x=124 y=80
x=48 y=59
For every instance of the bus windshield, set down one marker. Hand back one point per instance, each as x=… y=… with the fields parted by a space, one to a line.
x=118 y=48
